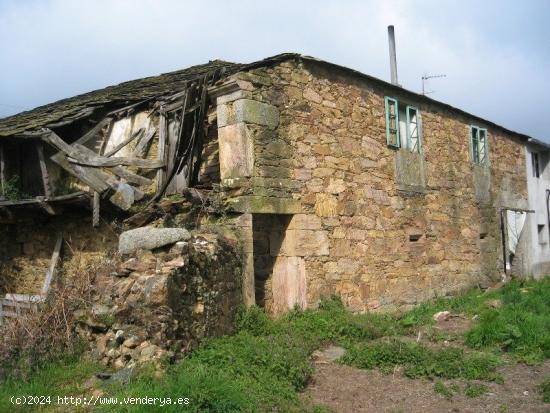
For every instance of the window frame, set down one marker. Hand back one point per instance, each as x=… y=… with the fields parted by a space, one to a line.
x=476 y=139
x=408 y=108
x=387 y=101
x=535 y=164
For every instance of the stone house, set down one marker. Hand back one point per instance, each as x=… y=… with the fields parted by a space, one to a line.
x=339 y=183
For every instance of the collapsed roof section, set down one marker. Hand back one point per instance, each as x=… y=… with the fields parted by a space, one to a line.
x=67 y=111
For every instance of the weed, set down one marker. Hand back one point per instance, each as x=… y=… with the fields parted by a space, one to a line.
x=447 y=392
x=11 y=188
x=469 y=303
x=521 y=326
x=474 y=390
x=544 y=389
x=107 y=319
x=421 y=361
x=39 y=337
x=241 y=373
x=58 y=378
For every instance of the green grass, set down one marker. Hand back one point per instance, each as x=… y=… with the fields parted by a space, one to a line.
x=60 y=378
x=469 y=304
x=331 y=322
x=264 y=365
x=418 y=360
x=241 y=373
x=520 y=327
x=544 y=389
x=446 y=391
x=473 y=390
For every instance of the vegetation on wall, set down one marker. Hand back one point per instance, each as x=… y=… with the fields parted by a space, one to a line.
x=12 y=188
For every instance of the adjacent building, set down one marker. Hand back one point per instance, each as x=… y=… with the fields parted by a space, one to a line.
x=538 y=223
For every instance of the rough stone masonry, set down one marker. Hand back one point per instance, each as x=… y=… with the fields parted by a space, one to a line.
x=332 y=209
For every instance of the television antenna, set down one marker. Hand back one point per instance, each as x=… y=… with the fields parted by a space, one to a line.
x=426 y=77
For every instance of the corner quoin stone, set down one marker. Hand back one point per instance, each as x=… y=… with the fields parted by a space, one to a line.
x=149 y=238
x=259 y=113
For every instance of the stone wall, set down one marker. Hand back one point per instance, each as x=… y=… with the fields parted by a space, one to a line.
x=155 y=306
x=366 y=233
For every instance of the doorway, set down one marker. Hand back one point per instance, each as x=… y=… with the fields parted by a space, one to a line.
x=279 y=272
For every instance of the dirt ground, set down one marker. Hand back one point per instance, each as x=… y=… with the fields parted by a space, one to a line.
x=347 y=389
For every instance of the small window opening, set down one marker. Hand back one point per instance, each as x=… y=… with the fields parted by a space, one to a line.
x=482 y=235
x=535 y=162
x=542 y=234
x=413 y=129
x=414 y=237
x=479 y=145
x=392 y=122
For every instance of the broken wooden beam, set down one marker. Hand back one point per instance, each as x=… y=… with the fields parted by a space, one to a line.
x=161 y=174
x=44 y=170
x=92 y=133
x=48 y=208
x=130 y=176
x=53 y=265
x=80 y=156
x=125 y=142
x=93 y=177
x=95 y=210
x=141 y=147
x=133 y=106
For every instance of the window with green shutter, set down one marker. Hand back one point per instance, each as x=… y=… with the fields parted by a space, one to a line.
x=403 y=126
x=392 y=122
x=479 y=145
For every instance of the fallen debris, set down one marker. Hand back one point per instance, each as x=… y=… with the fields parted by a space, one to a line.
x=441 y=316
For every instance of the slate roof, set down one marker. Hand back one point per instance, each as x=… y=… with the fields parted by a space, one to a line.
x=120 y=95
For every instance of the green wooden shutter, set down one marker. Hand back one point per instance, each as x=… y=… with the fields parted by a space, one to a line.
x=392 y=122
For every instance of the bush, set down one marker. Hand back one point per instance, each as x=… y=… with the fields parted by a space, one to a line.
x=46 y=334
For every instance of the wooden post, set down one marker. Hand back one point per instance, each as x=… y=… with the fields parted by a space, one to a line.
x=53 y=264
x=44 y=170
x=95 y=210
x=161 y=174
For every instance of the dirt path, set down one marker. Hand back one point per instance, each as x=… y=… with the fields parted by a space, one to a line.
x=349 y=390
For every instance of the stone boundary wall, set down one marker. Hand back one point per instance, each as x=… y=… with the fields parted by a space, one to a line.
x=157 y=306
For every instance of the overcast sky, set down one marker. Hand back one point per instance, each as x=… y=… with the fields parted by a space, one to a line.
x=495 y=54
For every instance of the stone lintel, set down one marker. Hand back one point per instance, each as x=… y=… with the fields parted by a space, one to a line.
x=265 y=205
